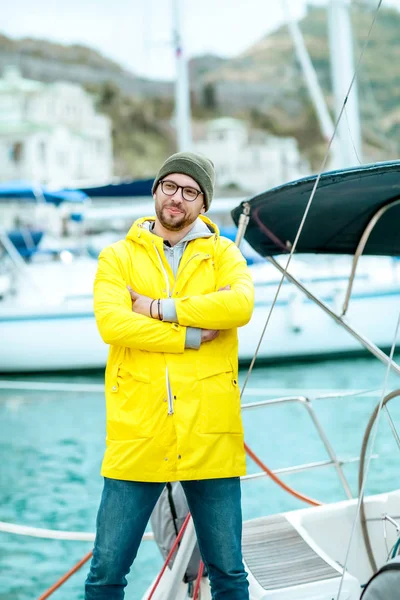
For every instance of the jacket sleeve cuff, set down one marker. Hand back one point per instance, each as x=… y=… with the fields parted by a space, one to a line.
x=193 y=338
x=169 y=310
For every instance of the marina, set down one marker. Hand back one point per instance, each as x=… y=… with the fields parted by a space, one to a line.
x=317 y=387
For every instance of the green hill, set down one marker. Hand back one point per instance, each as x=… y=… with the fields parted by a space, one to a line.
x=285 y=108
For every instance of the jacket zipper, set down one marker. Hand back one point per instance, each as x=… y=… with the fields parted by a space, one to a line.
x=183 y=268
x=169 y=393
x=186 y=264
x=167 y=383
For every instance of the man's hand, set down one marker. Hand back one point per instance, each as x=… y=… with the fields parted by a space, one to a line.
x=208 y=335
x=141 y=304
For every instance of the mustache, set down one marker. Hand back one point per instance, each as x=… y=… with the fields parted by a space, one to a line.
x=173 y=205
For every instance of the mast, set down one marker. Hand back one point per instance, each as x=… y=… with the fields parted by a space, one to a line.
x=314 y=89
x=182 y=91
x=342 y=71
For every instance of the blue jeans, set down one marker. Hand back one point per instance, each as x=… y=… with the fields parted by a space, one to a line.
x=125 y=508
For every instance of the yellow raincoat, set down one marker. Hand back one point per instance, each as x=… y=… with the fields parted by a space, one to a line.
x=202 y=437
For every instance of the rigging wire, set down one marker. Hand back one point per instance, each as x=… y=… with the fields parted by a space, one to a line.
x=322 y=167
x=388 y=415
x=392 y=426
x=351 y=137
x=365 y=84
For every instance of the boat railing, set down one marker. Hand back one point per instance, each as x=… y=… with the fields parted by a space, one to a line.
x=304 y=401
x=360 y=249
x=334 y=461
x=189 y=536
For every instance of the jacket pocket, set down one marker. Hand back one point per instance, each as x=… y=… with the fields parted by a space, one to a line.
x=220 y=402
x=129 y=414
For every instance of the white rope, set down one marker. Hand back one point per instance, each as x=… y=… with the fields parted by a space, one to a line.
x=44 y=386
x=54 y=534
x=315 y=394
x=324 y=161
x=368 y=462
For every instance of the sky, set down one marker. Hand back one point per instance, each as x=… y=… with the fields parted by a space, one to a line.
x=138 y=33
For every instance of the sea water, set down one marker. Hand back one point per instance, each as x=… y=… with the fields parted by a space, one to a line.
x=51 y=446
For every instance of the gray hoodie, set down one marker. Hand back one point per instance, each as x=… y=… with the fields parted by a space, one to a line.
x=174 y=254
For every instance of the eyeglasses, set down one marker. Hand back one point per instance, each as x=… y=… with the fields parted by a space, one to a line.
x=169 y=188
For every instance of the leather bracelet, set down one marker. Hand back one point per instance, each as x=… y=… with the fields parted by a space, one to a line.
x=151 y=306
x=158 y=309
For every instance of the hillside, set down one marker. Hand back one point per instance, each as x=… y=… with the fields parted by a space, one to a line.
x=142 y=137
x=266 y=81
x=47 y=61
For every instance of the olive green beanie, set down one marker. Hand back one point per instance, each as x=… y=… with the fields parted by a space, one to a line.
x=197 y=166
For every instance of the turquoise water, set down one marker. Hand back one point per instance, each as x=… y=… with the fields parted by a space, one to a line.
x=51 y=446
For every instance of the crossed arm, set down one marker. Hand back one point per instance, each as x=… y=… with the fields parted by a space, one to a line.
x=123 y=316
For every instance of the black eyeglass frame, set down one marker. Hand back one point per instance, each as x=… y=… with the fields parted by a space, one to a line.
x=182 y=187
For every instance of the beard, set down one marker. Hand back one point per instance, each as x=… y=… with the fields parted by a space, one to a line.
x=173 y=222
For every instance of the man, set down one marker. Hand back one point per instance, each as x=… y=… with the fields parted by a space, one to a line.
x=168 y=300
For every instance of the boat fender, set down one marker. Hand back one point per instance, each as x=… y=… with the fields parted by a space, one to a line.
x=166 y=521
x=385 y=584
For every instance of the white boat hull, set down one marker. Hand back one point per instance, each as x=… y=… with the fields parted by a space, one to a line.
x=63 y=336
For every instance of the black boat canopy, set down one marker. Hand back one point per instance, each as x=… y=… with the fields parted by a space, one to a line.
x=344 y=203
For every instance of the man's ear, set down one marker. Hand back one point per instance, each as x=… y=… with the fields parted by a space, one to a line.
x=154 y=197
x=203 y=209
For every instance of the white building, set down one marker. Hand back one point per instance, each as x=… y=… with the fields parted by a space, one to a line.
x=50 y=133
x=251 y=160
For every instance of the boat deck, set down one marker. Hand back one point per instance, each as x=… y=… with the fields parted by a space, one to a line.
x=278 y=557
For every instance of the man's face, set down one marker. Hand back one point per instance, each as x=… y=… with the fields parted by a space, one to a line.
x=174 y=212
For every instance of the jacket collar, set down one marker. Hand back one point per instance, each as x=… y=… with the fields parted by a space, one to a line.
x=203 y=227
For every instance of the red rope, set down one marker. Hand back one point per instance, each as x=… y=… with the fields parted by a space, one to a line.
x=276 y=479
x=64 y=578
x=262 y=466
x=198 y=580
x=174 y=547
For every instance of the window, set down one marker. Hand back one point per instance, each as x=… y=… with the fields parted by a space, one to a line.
x=16 y=152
